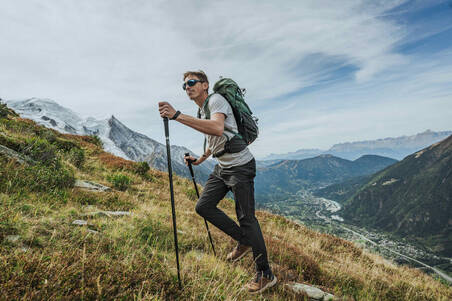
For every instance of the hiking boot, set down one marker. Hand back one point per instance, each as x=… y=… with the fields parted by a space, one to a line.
x=261 y=282
x=238 y=252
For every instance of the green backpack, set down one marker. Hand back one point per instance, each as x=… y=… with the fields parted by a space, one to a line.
x=246 y=122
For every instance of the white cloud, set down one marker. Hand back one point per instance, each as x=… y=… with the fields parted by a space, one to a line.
x=121 y=57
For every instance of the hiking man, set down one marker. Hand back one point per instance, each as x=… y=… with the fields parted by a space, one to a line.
x=234 y=171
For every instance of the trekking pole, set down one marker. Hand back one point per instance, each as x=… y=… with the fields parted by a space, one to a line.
x=170 y=174
x=197 y=193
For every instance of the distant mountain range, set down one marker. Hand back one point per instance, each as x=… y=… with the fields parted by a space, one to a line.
x=282 y=179
x=117 y=138
x=397 y=148
x=412 y=198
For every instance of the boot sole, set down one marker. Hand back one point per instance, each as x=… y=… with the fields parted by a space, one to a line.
x=270 y=284
x=241 y=256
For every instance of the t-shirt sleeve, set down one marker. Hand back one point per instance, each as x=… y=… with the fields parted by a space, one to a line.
x=218 y=104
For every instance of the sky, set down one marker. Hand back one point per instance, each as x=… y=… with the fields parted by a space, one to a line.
x=316 y=72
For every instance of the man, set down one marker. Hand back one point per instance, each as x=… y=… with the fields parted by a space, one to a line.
x=234 y=171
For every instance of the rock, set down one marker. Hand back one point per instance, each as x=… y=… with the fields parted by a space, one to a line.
x=12 y=238
x=329 y=297
x=108 y=213
x=91 y=185
x=22 y=159
x=311 y=291
x=15 y=239
x=80 y=222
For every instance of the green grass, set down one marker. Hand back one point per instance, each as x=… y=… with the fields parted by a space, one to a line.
x=132 y=257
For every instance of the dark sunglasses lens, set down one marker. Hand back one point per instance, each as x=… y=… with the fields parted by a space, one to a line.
x=192 y=82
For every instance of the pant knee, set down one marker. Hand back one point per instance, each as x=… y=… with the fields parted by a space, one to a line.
x=201 y=209
x=247 y=220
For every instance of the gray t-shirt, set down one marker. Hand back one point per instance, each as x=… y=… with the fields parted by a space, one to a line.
x=218 y=104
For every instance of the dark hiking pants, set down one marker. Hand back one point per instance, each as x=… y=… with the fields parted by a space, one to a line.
x=240 y=180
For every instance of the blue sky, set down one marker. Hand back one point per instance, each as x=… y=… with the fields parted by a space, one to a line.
x=316 y=72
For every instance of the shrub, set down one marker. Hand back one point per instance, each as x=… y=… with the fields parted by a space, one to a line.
x=10 y=142
x=19 y=125
x=77 y=157
x=46 y=134
x=64 y=144
x=3 y=110
x=141 y=168
x=42 y=151
x=94 y=139
x=120 y=181
x=38 y=178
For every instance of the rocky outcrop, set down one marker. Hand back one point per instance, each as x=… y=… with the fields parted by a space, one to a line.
x=90 y=185
x=312 y=292
x=15 y=155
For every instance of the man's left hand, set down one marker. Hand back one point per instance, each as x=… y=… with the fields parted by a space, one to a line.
x=166 y=110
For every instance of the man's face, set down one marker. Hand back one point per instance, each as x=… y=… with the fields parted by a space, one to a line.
x=197 y=90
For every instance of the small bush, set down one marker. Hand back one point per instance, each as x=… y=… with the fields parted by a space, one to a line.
x=3 y=110
x=141 y=168
x=46 y=134
x=37 y=178
x=77 y=157
x=120 y=181
x=64 y=144
x=94 y=139
x=42 y=151
x=10 y=142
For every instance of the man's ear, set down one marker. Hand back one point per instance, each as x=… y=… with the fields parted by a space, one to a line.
x=205 y=86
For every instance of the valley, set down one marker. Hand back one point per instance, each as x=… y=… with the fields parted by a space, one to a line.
x=324 y=215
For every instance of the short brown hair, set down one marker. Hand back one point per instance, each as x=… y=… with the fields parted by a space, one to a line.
x=199 y=74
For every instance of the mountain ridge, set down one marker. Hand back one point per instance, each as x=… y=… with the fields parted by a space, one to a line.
x=392 y=147
x=289 y=176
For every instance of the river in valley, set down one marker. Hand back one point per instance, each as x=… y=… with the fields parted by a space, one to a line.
x=324 y=215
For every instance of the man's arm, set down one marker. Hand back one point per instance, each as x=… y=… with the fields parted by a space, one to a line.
x=214 y=126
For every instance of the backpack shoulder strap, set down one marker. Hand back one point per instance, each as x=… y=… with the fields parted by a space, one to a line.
x=205 y=108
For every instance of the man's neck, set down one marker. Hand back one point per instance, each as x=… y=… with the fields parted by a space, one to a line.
x=200 y=101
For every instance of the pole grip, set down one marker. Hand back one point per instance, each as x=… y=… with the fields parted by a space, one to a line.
x=189 y=165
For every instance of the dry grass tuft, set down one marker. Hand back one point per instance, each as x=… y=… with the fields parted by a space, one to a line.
x=115 y=163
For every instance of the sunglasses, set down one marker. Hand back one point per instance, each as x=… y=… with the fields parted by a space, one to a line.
x=191 y=83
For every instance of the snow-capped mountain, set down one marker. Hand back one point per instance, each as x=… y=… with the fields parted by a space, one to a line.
x=117 y=138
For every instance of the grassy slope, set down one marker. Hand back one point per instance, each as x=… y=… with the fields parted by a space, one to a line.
x=132 y=257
